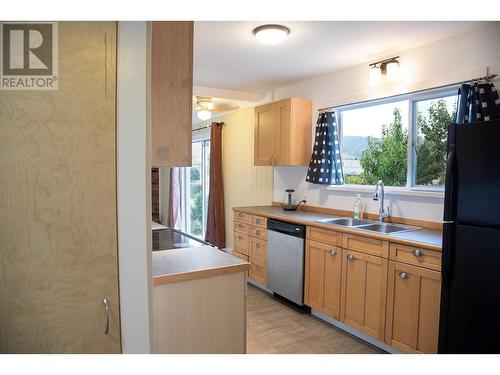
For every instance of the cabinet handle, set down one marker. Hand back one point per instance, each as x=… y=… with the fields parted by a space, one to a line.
x=257 y=221
x=333 y=253
x=351 y=257
x=418 y=253
x=257 y=267
x=240 y=215
x=257 y=232
x=257 y=246
x=403 y=276
x=240 y=237
x=240 y=225
x=105 y=303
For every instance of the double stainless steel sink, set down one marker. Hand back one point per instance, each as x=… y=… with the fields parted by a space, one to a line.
x=369 y=225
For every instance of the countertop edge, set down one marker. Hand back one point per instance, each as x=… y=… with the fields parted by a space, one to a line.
x=200 y=273
x=252 y=211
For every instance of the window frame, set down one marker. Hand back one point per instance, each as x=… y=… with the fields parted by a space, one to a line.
x=413 y=98
x=186 y=193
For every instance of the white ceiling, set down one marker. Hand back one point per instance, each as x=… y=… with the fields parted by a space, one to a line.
x=228 y=56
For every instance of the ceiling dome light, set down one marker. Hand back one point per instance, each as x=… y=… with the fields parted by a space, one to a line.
x=375 y=76
x=204 y=115
x=271 y=34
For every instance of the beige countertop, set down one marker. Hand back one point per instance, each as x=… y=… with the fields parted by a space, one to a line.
x=428 y=238
x=193 y=263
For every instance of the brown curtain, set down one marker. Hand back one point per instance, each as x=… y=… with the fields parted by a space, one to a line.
x=174 y=199
x=216 y=227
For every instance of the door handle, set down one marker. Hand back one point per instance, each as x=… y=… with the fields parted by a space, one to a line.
x=106 y=315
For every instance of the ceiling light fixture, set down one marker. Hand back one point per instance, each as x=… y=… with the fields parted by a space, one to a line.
x=387 y=67
x=204 y=115
x=271 y=34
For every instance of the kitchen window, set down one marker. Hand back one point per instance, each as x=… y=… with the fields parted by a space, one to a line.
x=195 y=183
x=399 y=140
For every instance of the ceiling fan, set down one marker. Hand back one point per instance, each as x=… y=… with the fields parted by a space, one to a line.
x=205 y=105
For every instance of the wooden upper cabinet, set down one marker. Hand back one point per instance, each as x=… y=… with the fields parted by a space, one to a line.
x=323 y=277
x=171 y=93
x=364 y=281
x=283 y=132
x=413 y=298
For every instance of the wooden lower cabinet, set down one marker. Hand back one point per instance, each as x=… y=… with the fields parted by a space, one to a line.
x=323 y=274
x=364 y=282
x=413 y=300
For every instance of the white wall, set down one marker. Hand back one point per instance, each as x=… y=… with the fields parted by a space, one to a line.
x=437 y=64
x=134 y=187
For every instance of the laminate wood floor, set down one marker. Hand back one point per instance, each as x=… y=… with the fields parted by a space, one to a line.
x=275 y=328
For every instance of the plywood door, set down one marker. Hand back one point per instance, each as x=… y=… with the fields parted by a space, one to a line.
x=58 y=245
x=413 y=302
x=364 y=280
x=265 y=125
x=283 y=132
x=171 y=93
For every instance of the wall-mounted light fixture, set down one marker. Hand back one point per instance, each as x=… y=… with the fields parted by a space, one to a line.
x=387 y=67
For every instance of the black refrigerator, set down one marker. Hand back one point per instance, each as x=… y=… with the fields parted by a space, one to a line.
x=470 y=291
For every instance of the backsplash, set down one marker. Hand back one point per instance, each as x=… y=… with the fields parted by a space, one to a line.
x=406 y=206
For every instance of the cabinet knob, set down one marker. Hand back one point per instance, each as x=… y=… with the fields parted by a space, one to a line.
x=258 y=221
x=257 y=267
x=240 y=225
x=257 y=246
x=333 y=253
x=351 y=258
x=257 y=232
x=418 y=253
x=240 y=237
x=240 y=215
x=403 y=276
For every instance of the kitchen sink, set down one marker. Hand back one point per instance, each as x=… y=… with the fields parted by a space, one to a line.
x=387 y=228
x=345 y=221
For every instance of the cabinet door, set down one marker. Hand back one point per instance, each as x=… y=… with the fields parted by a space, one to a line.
x=413 y=308
x=315 y=274
x=323 y=277
x=171 y=93
x=333 y=278
x=264 y=133
x=283 y=132
x=364 y=281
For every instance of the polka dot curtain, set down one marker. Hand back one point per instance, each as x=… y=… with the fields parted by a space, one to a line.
x=325 y=166
x=477 y=102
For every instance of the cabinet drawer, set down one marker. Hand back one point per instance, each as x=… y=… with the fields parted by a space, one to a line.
x=242 y=217
x=414 y=255
x=259 y=221
x=241 y=243
x=258 y=232
x=258 y=271
x=240 y=255
x=241 y=227
x=326 y=236
x=366 y=245
x=258 y=249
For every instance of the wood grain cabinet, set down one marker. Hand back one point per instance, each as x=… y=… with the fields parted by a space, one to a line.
x=413 y=298
x=171 y=93
x=364 y=281
x=323 y=273
x=283 y=132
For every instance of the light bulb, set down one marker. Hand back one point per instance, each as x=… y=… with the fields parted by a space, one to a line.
x=271 y=34
x=375 y=76
x=392 y=70
x=204 y=114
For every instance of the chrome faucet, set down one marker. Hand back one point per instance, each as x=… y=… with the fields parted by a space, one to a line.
x=378 y=195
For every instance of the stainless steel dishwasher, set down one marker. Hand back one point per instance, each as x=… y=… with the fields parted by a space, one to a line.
x=285 y=260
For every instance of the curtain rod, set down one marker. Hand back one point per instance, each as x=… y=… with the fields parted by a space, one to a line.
x=488 y=77
x=209 y=126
